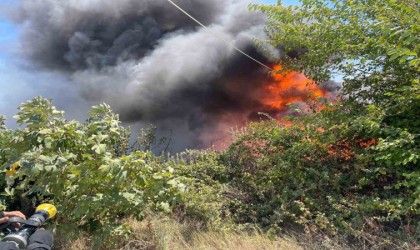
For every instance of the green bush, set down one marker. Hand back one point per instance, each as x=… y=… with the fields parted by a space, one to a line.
x=336 y=171
x=86 y=170
x=331 y=170
x=205 y=177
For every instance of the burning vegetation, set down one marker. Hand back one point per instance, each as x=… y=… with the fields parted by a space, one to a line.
x=152 y=64
x=289 y=87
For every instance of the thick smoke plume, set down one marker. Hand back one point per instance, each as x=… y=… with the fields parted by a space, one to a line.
x=150 y=62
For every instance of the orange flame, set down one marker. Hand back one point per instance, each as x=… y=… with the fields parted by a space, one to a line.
x=288 y=87
x=272 y=96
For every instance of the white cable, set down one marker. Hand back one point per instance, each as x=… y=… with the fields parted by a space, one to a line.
x=221 y=38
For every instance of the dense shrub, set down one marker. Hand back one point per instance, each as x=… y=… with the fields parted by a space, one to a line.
x=330 y=170
x=337 y=170
x=354 y=164
x=86 y=170
x=204 y=202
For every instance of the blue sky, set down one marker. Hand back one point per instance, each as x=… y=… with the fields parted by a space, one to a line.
x=16 y=84
x=17 y=78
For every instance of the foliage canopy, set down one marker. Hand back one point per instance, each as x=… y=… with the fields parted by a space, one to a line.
x=357 y=159
x=85 y=169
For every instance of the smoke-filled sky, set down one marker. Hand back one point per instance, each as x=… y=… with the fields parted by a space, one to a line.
x=145 y=58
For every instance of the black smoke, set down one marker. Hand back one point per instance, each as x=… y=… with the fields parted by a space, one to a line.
x=151 y=62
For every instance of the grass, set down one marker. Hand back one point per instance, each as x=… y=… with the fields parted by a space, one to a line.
x=166 y=233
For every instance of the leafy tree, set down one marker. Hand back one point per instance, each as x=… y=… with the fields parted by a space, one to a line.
x=326 y=37
x=86 y=170
x=373 y=46
x=356 y=160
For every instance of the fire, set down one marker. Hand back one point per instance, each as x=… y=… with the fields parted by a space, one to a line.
x=288 y=87
x=268 y=94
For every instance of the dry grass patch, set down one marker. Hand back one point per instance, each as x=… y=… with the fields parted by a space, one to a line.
x=165 y=233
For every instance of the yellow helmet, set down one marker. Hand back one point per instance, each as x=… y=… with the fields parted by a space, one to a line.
x=13 y=169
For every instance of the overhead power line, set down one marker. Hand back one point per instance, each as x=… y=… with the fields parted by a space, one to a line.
x=220 y=37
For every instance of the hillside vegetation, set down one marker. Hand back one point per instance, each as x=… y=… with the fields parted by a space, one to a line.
x=342 y=174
